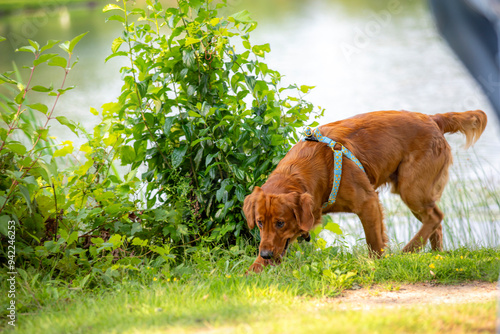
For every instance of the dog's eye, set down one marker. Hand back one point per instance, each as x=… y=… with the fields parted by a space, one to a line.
x=259 y=222
x=280 y=224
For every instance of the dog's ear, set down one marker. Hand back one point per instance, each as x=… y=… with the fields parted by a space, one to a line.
x=306 y=212
x=302 y=208
x=249 y=207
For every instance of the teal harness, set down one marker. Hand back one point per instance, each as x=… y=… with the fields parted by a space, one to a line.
x=337 y=175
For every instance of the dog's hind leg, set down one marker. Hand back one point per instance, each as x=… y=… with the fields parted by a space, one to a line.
x=436 y=239
x=431 y=228
x=421 y=182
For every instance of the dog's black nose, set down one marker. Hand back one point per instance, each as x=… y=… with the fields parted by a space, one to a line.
x=266 y=254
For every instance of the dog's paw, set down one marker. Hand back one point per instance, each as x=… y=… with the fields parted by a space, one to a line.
x=255 y=268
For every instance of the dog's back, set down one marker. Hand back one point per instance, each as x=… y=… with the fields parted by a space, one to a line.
x=382 y=140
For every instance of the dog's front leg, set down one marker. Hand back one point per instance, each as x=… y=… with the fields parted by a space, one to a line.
x=258 y=265
x=371 y=217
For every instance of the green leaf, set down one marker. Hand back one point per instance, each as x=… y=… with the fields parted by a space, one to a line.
x=84 y=281
x=241 y=17
x=138 y=11
x=168 y=124
x=5 y=78
x=116 y=17
x=110 y=108
x=67 y=149
x=136 y=227
x=127 y=154
x=42 y=89
x=188 y=58
x=43 y=58
x=111 y=6
x=27 y=48
x=178 y=155
x=182 y=229
x=194 y=114
x=4 y=224
x=2 y=39
x=26 y=194
x=65 y=46
x=277 y=139
x=116 y=54
x=209 y=158
x=116 y=44
x=305 y=89
x=50 y=44
x=16 y=148
x=240 y=174
x=64 y=90
x=75 y=62
x=200 y=140
x=190 y=40
x=333 y=227
x=260 y=50
x=34 y=44
x=240 y=193
x=142 y=87
x=42 y=133
x=219 y=194
x=75 y=41
x=45 y=170
x=72 y=238
x=40 y=107
x=250 y=81
x=215 y=21
x=139 y=242
x=64 y=121
x=197 y=158
x=58 y=61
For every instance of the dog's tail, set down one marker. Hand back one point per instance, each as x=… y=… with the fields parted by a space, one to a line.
x=470 y=123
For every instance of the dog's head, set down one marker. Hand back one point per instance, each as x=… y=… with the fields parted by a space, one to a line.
x=281 y=218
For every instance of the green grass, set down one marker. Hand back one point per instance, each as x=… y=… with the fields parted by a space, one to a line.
x=237 y=306
x=210 y=291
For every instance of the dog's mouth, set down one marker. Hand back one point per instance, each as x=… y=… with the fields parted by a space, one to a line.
x=277 y=260
x=285 y=249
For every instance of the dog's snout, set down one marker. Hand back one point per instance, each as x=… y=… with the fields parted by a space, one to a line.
x=266 y=254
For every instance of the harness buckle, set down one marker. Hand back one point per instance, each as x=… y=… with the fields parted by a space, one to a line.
x=311 y=138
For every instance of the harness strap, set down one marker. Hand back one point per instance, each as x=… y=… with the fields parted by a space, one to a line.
x=337 y=155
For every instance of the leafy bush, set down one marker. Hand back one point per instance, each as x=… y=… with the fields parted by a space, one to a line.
x=202 y=121
x=56 y=208
x=30 y=180
x=206 y=121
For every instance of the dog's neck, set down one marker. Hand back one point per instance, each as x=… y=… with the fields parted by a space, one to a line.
x=279 y=183
x=304 y=171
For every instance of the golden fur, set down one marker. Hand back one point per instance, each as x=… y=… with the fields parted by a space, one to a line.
x=404 y=149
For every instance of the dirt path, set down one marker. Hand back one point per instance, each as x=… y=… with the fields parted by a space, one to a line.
x=413 y=294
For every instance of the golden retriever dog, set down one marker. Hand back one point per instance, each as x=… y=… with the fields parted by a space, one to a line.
x=407 y=150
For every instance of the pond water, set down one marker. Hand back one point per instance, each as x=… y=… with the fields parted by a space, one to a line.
x=361 y=55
